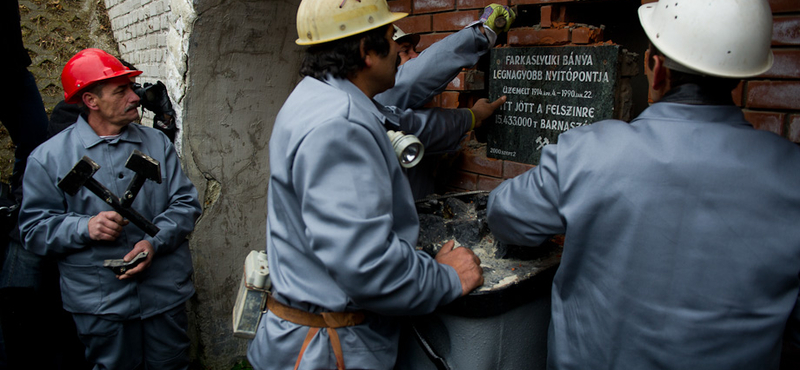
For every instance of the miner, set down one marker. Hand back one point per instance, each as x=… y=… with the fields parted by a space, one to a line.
x=341 y=221
x=682 y=249
x=135 y=319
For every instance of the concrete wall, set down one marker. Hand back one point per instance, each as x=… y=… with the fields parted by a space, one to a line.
x=242 y=65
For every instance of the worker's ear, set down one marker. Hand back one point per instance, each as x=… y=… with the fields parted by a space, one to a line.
x=365 y=56
x=660 y=73
x=89 y=100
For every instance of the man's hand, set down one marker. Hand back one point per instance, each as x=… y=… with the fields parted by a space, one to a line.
x=483 y=108
x=466 y=264
x=106 y=226
x=141 y=246
x=498 y=17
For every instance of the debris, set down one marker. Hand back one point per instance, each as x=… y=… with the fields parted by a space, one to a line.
x=462 y=217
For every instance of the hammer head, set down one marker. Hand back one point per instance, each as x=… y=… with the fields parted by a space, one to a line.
x=78 y=175
x=144 y=165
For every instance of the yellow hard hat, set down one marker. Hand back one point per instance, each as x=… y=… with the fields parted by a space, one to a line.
x=320 y=21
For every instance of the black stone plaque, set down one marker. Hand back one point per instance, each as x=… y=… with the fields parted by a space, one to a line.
x=550 y=90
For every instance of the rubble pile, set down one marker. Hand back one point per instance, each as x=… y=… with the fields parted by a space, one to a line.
x=463 y=217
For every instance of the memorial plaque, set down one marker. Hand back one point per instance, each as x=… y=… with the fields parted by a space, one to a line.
x=550 y=90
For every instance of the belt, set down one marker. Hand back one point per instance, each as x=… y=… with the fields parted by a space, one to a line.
x=329 y=320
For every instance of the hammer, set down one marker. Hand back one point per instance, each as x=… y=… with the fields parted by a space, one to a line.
x=145 y=168
x=81 y=175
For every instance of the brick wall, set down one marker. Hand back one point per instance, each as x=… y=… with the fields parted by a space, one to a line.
x=153 y=36
x=770 y=102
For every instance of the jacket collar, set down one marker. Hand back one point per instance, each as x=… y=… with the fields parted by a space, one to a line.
x=360 y=99
x=673 y=112
x=696 y=94
x=89 y=138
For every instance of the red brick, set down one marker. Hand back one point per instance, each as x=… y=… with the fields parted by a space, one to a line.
x=402 y=6
x=562 y=14
x=784 y=6
x=773 y=94
x=547 y=16
x=787 y=64
x=430 y=39
x=474 y=160
x=415 y=24
x=449 y=99
x=737 y=94
x=478 y=4
x=488 y=183
x=786 y=30
x=454 y=21
x=514 y=169
x=586 y=35
x=793 y=133
x=767 y=121
x=531 y=36
x=469 y=80
x=435 y=102
x=552 y=13
x=464 y=180
x=430 y=6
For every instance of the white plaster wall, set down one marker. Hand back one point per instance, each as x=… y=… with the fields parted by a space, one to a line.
x=153 y=36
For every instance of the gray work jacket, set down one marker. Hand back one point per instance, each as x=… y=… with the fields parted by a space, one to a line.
x=420 y=79
x=341 y=231
x=54 y=223
x=682 y=246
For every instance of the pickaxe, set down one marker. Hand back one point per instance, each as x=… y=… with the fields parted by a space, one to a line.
x=81 y=175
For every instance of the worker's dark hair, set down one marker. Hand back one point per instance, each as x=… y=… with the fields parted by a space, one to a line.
x=681 y=78
x=342 y=58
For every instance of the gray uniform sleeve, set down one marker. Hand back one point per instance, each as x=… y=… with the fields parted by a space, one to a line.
x=46 y=226
x=420 y=79
x=177 y=221
x=439 y=130
x=347 y=207
x=524 y=210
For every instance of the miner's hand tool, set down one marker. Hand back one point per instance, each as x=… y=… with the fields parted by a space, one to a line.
x=144 y=167
x=119 y=266
x=81 y=175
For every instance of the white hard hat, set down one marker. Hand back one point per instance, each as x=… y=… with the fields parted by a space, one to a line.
x=320 y=21
x=722 y=38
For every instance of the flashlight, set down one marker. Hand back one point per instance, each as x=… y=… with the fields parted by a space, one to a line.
x=408 y=148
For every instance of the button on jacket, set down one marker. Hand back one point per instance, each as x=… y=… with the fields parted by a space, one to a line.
x=54 y=223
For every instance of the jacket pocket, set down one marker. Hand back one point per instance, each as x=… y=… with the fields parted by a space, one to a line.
x=80 y=287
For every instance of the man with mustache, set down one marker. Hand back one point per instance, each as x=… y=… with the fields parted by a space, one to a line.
x=135 y=319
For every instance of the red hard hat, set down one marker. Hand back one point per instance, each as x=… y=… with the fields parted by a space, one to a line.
x=88 y=67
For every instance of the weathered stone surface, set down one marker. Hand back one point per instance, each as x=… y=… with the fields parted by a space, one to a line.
x=242 y=65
